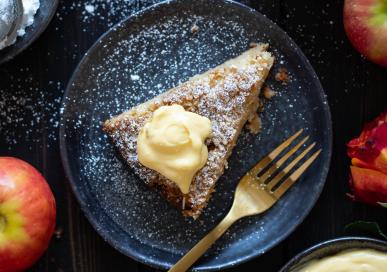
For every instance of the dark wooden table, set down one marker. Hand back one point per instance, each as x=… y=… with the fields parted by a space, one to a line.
x=31 y=87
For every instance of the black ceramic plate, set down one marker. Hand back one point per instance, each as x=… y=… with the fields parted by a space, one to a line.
x=144 y=56
x=333 y=247
x=42 y=19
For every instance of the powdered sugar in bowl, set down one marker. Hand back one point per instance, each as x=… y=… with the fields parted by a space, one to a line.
x=21 y=22
x=10 y=19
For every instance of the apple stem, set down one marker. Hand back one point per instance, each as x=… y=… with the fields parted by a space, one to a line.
x=3 y=222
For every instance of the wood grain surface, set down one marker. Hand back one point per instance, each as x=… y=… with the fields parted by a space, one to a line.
x=32 y=85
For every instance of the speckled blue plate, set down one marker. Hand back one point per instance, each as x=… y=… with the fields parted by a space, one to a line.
x=332 y=247
x=148 y=54
x=41 y=20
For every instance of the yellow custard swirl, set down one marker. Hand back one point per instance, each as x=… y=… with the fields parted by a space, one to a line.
x=172 y=143
x=360 y=260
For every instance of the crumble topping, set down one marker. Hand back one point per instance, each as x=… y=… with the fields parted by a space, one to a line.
x=268 y=93
x=282 y=76
x=195 y=29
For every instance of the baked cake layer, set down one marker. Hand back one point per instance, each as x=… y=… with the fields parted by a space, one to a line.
x=228 y=95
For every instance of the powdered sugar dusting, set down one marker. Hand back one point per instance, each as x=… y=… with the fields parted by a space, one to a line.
x=139 y=61
x=105 y=12
x=26 y=112
x=227 y=96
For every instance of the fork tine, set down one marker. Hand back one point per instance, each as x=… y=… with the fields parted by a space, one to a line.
x=295 y=176
x=287 y=169
x=272 y=155
x=278 y=164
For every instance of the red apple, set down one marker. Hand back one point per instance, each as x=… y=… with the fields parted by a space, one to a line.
x=27 y=215
x=365 y=22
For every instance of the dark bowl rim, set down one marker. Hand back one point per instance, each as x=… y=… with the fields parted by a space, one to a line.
x=34 y=37
x=151 y=261
x=336 y=241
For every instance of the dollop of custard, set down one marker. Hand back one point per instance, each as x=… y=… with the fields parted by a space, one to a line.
x=172 y=143
x=358 y=260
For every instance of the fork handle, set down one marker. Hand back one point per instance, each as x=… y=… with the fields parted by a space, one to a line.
x=201 y=247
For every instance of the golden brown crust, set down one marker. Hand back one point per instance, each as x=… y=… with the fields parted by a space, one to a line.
x=227 y=95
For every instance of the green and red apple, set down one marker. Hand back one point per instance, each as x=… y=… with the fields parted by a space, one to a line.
x=365 y=22
x=27 y=215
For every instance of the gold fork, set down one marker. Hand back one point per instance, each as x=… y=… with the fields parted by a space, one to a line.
x=256 y=192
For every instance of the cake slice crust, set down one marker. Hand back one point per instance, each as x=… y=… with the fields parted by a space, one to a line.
x=228 y=95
